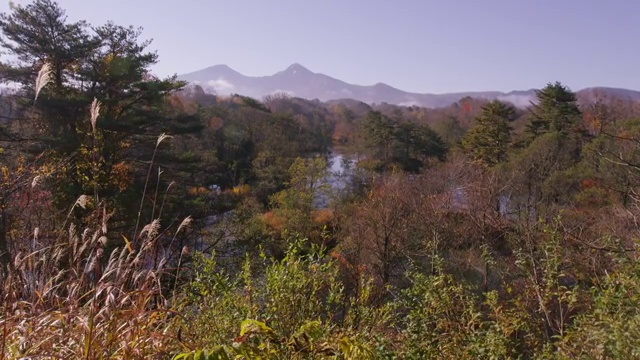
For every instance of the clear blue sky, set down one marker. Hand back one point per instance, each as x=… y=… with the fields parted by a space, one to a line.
x=416 y=45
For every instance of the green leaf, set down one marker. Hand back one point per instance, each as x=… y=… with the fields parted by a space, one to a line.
x=249 y=326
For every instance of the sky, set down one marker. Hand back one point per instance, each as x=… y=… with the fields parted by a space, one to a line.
x=424 y=46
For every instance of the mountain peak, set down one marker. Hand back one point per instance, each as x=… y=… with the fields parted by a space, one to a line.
x=221 y=69
x=382 y=85
x=296 y=68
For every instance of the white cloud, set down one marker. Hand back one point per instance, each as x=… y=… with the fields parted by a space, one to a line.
x=521 y=101
x=220 y=85
x=411 y=102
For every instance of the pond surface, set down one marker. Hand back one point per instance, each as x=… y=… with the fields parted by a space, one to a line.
x=340 y=167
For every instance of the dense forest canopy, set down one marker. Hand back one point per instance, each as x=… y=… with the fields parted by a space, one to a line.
x=145 y=218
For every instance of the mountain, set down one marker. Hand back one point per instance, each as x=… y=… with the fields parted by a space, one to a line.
x=298 y=81
x=590 y=95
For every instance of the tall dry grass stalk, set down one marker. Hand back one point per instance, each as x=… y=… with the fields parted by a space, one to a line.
x=80 y=298
x=161 y=138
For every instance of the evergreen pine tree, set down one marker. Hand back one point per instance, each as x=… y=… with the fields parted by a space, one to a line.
x=488 y=141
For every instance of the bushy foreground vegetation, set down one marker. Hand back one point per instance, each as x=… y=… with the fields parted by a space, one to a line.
x=140 y=219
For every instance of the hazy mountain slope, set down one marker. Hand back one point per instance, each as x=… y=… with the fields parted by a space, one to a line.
x=296 y=80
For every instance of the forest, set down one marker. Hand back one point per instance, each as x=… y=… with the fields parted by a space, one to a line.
x=142 y=218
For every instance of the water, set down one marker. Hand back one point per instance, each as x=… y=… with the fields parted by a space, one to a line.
x=337 y=180
x=341 y=174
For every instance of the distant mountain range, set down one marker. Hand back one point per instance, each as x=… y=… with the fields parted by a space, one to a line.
x=298 y=81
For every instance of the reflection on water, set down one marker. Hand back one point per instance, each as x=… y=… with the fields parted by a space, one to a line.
x=340 y=168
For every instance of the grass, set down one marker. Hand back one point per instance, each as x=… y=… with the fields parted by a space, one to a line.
x=60 y=301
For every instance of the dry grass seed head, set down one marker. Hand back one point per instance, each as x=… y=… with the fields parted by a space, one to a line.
x=102 y=241
x=161 y=138
x=186 y=222
x=36 y=181
x=105 y=219
x=81 y=250
x=162 y=263
x=95 y=112
x=95 y=237
x=83 y=201
x=152 y=229
x=44 y=78
x=85 y=234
